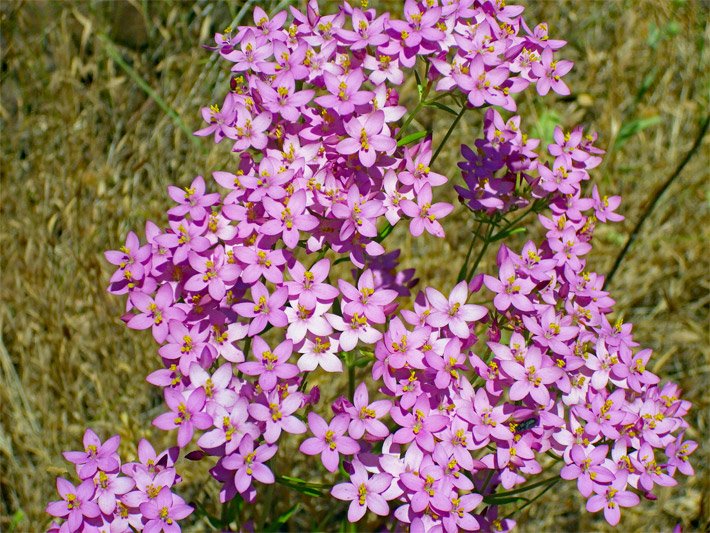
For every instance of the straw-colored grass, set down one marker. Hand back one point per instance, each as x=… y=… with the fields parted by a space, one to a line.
x=87 y=156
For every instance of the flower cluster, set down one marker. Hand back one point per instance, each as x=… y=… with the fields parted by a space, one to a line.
x=471 y=399
x=114 y=497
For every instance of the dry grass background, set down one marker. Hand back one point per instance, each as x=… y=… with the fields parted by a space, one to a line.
x=87 y=156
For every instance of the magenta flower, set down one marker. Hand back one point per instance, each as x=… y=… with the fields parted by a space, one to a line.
x=549 y=73
x=95 y=455
x=249 y=131
x=192 y=200
x=358 y=214
x=270 y=366
x=366 y=138
x=365 y=299
x=484 y=86
x=155 y=313
x=185 y=414
x=253 y=54
x=428 y=487
x=265 y=309
x=587 y=468
x=329 y=440
x=424 y=214
x=288 y=219
x=213 y=272
x=511 y=289
x=148 y=485
x=108 y=486
x=308 y=286
x=76 y=504
x=230 y=427
x=163 y=512
x=345 y=93
x=418 y=426
x=319 y=352
x=220 y=120
x=187 y=345
x=283 y=98
x=364 y=492
x=365 y=415
x=677 y=453
x=366 y=32
x=184 y=238
x=260 y=262
x=531 y=377
x=453 y=312
x=612 y=498
x=487 y=420
x=249 y=464
x=278 y=415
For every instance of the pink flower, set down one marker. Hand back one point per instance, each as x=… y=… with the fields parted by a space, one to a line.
x=76 y=504
x=185 y=414
x=532 y=376
x=283 y=98
x=277 y=414
x=108 y=486
x=365 y=415
x=213 y=272
x=424 y=214
x=365 y=299
x=163 y=512
x=270 y=365
x=249 y=464
x=265 y=309
x=308 y=286
x=230 y=427
x=329 y=440
x=96 y=455
x=366 y=138
x=549 y=73
x=155 y=313
x=612 y=498
x=454 y=312
x=320 y=352
x=364 y=492
x=289 y=218
x=192 y=200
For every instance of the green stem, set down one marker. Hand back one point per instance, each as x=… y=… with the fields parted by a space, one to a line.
x=552 y=484
x=463 y=270
x=656 y=197
x=448 y=134
x=351 y=379
x=486 y=243
x=114 y=54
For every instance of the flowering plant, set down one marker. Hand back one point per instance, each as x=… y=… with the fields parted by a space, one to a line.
x=454 y=404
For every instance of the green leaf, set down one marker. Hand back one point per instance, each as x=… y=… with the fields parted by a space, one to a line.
x=420 y=87
x=507 y=233
x=631 y=128
x=201 y=511
x=544 y=128
x=493 y=500
x=18 y=517
x=412 y=137
x=278 y=524
x=441 y=106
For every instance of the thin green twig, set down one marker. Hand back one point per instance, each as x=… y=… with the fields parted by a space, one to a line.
x=464 y=107
x=113 y=52
x=656 y=198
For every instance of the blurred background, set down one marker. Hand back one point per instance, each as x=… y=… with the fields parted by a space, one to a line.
x=96 y=102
